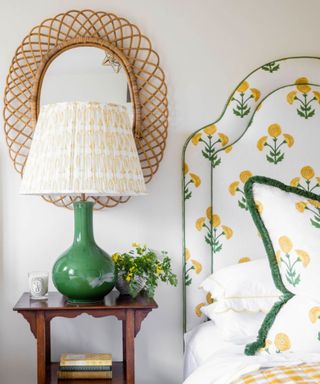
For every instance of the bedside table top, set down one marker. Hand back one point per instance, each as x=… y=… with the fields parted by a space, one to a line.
x=56 y=301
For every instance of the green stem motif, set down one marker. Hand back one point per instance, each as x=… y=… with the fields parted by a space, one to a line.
x=292 y=276
x=242 y=109
x=210 y=152
x=275 y=155
x=271 y=67
x=315 y=221
x=212 y=238
x=305 y=110
x=188 y=279
x=187 y=192
x=243 y=201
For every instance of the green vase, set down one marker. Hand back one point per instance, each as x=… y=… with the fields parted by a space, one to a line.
x=84 y=273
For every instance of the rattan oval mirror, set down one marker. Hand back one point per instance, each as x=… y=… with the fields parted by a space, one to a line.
x=122 y=40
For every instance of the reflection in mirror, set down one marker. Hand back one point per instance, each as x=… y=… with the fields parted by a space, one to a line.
x=86 y=74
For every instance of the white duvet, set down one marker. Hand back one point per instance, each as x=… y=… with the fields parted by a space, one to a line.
x=230 y=363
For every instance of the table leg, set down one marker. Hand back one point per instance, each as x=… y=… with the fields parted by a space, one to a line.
x=41 y=347
x=129 y=346
x=124 y=342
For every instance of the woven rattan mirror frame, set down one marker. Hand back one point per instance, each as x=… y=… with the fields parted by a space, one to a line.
x=87 y=28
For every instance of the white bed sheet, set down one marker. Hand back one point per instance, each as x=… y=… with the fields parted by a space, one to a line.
x=200 y=344
x=228 y=364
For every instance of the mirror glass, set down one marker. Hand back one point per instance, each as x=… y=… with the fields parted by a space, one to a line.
x=85 y=74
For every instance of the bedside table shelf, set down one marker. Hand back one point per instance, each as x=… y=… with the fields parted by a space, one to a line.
x=117 y=371
x=126 y=309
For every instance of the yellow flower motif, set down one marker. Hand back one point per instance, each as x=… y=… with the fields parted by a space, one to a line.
x=285 y=244
x=244 y=260
x=136 y=245
x=274 y=130
x=245 y=176
x=197 y=309
x=200 y=223
x=115 y=257
x=187 y=254
x=228 y=232
x=243 y=87
x=233 y=187
x=282 y=342
x=303 y=256
x=209 y=298
x=302 y=85
x=259 y=206
x=289 y=139
x=278 y=256
x=195 y=179
x=317 y=96
x=216 y=221
x=185 y=168
x=197 y=266
x=159 y=270
x=295 y=182
x=307 y=172
x=196 y=138
x=224 y=139
x=261 y=142
x=291 y=97
x=210 y=130
x=301 y=206
x=256 y=93
x=209 y=213
x=314 y=314
x=228 y=149
x=315 y=203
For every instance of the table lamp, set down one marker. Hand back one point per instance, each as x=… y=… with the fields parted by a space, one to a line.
x=83 y=149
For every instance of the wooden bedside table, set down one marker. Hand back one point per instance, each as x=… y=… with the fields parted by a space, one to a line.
x=39 y=314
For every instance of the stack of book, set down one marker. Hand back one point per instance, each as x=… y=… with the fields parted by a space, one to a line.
x=85 y=366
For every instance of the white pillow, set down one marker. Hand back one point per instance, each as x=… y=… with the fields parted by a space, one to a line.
x=238 y=327
x=242 y=287
x=289 y=227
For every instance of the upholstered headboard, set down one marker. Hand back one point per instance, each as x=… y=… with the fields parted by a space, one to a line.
x=270 y=126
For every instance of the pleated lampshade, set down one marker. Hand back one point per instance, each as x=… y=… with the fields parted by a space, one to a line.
x=83 y=148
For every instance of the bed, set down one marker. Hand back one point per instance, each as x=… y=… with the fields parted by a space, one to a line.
x=271 y=127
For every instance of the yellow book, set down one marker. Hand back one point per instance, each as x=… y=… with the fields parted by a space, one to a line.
x=87 y=359
x=68 y=375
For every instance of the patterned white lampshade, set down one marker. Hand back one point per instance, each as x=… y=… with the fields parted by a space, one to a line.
x=83 y=148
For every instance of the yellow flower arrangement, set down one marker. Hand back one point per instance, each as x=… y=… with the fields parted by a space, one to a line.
x=234 y=188
x=282 y=342
x=210 y=138
x=277 y=140
x=214 y=229
x=141 y=269
x=303 y=98
x=242 y=97
x=309 y=181
x=286 y=257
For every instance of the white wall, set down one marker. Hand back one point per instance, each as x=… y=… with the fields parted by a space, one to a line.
x=206 y=47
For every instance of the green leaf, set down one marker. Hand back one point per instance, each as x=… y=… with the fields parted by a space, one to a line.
x=270 y=159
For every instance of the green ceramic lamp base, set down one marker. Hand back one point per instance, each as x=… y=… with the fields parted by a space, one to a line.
x=84 y=273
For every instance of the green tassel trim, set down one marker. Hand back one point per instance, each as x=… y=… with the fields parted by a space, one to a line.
x=252 y=348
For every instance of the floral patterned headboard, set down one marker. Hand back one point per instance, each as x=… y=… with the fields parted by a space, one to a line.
x=270 y=126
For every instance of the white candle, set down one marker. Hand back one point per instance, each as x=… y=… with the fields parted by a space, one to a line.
x=38 y=284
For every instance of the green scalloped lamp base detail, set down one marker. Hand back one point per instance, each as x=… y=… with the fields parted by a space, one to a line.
x=84 y=273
